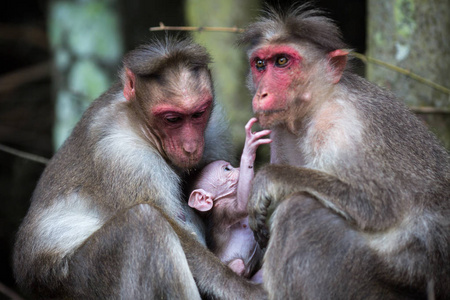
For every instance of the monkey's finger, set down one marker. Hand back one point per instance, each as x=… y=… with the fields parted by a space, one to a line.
x=262 y=237
x=260 y=134
x=263 y=142
x=258 y=225
x=250 y=123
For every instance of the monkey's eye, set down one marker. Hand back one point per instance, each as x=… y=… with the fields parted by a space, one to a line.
x=198 y=114
x=173 y=120
x=227 y=168
x=259 y=64
x=281 y=61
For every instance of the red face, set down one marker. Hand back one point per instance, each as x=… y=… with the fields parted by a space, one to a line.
x=177 y=112
x=276 y=70
x=181 y=129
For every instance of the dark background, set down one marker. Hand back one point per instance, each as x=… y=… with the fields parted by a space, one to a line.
x=26 y=111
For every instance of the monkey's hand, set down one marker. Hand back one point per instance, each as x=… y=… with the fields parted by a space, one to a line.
x=253 y=140
x=269 y=189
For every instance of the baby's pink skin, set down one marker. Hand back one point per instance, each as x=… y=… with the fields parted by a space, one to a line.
x=219 y=180
x=227 y=189
x=237 y=266
x=252 y=142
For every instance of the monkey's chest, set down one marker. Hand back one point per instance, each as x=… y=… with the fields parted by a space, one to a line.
x=241 y=242
x=286 y=148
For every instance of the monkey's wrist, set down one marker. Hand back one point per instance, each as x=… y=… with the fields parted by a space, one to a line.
x=247 y=163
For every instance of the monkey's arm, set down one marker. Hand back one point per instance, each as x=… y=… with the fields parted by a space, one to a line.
x=214 y=279
x=246 y=174
x=366 y=208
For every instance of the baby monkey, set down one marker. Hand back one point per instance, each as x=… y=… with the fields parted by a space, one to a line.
x=227 y=189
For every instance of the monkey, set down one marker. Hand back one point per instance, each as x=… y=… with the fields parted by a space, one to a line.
x=355 y=203
x=107 y=219
x=227 y=189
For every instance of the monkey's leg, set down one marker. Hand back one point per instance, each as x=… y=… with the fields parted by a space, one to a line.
x=135 y=255
x=313 y=253
x=214 y=279
x=368 y=208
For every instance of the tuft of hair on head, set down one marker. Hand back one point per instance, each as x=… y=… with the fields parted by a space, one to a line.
x=150 y=58
x=299 y=23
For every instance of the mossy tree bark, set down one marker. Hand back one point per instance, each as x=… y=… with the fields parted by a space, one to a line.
x=413 y=34
x=230 y=65
x=87 y=46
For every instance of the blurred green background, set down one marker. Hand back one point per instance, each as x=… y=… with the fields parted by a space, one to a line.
x=57 y=56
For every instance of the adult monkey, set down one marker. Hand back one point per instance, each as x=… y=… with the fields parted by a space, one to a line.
x=105 y=217
x=360 y=207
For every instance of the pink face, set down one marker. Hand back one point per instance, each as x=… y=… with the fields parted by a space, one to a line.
x=276 y=69
x=181 y=130
x=179 y=118
x=219 y=178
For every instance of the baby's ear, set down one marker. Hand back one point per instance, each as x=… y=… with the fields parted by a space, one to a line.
x=200 y=200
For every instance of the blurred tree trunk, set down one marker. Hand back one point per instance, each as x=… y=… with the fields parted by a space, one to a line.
x=230 y=65
x=414 y=35
x=87 y=46
x=139 y=15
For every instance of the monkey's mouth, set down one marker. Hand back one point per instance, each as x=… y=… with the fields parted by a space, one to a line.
x=186 y=161
x=267 y=118
x=270 y=112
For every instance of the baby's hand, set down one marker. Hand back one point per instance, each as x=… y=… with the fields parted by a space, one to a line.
x=253 y=141
x=246 y=173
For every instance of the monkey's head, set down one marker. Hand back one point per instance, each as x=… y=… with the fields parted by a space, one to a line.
x=293 y=57
x=216 y=182
x=170 y=87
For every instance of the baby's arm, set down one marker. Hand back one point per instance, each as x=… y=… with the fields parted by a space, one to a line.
x=252 y=142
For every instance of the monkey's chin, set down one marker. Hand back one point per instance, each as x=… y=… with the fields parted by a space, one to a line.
x=268 y=119
x=186 y=163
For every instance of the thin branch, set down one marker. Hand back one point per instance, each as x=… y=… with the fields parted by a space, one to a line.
x=25 y=75
x=9 y=293
x=200 y=29
x=32 y=35
x=29 y=156
x=429 y=110
x=421 y=79
x=362 y=57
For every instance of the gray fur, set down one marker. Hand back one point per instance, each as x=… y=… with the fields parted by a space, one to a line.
x=107 y=219
x=298 y=24
x=357 y=205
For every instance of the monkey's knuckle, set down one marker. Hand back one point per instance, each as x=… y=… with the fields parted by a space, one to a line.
x=252 y=223
x=252 y=201
x=262 y=238
x=266 y=199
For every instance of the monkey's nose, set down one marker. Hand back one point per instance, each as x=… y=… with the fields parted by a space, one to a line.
x=190 y=147
x=261 y=96
x=260 y=99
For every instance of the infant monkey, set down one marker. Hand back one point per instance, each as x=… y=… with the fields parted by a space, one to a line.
x=227 y=189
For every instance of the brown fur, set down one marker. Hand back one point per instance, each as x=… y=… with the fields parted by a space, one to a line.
x=107 y=219
x=361 y=208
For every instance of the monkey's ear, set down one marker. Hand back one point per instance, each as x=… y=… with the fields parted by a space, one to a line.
x=200 y=200
x=337 y=60
x=129 y=84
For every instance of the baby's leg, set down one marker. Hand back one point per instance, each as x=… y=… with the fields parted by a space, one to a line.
x=237 y=265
